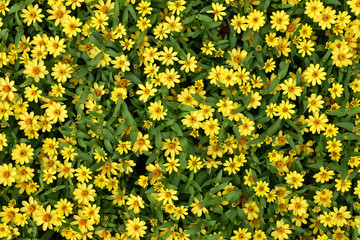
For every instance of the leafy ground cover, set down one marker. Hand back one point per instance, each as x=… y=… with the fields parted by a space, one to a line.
x=179 y=119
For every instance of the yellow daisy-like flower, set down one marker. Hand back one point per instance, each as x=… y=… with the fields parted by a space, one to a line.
x=22 y=153
x=156 y=110
x=136 y=228
x=84 y=193
x=317 y=123
x=189 y=64
x=218 y=11
x=142 y=143
x=314 y=74
x=35 y=69
x=194 y=163
x=71 y=26
x=46 y=218
x=282 y=230
x=32 y=14
x=256 y=20
x=56 y=112
x=7 y=174
x=279 y=20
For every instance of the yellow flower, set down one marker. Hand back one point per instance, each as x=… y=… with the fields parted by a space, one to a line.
x=84 y=193
x=315 y=103
x=123 y=147
x=196 y=208
x=241 y=233
x=193 y=119
x=298 y=205
x=326 y=18
x=284 y=110
x=56 y=112
x=3 y=141
x=172 y=147
x=143 y=181
x=142 y=143
x=7 y=89
x=256 y=20
x=121 y=62
x=313 y=8
x=156 y=110
x=4 y=6
x=295 y=179
x=32 y=93
x=177 y=6
x=218 y=11
x=314 y=74
x=7 y=174
x=246 y=127
x=282 y=230
x=22 y=153
x=35 y=69
x=239 y=23
x=194 y=163
x=46 y=218
x=172 y=165
x=136 y=228
x=271 y=39
x=306 y=47
x=135 y=203
x=282 y=46
x=261 y=188
x=279 y=20
x=208 y=48
x=189 y=64
x=32 y=14
x=71 y=26
x=173 y=23
x=289 y=87
x=317 y=123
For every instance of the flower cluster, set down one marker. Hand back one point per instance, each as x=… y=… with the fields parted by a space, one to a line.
x=179 y=120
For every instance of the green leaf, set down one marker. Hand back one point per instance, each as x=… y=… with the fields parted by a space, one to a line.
x=84 y=156
x=175 y=127
x=194 y=230
x=108 y=145
x=133 y=136
x=132 y=11
x=273 y=84
x=338 y=112
x=334 y=2
x=343 y=169
x=96 y=59
x=282 y=73
x=17 y=7
x=98 y=43
x=258 y=140
x=271 y=130
x=197 y=98
x=132 y=77
x=158 y=137
x=84 y=95
x=241 y=213
x=167 y=224
x=81 y=72
x=189 y=19
x=18 y=36
x=233 y=196
x=127 y=115
x=204 y=18
x=118 y=105
x=354 y=111
x=347 y=125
